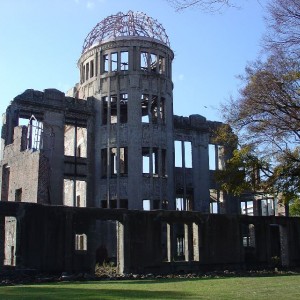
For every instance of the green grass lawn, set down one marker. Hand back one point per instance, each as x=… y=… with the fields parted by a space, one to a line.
x=277 y=287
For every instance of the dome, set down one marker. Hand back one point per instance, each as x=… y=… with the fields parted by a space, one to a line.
x=122 y=25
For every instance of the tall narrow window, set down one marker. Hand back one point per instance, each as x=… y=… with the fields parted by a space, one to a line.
x=105 y=63
x=113 y=110
x=144 y=61
x=96 y=64
x=114 y=62
x=113 y=161
x=123 y=108
x=146 y=160
x=146 y=204
x=104 y=103
x=153 y=62
x=80 y=242
x=154 y=109
x=83 y=73
x=178 y=153
x=188 y=154
x=87 y=71
x=161 y=65
x=145 y=111
x=18 y=195
x=124 y=61
x=91 y=68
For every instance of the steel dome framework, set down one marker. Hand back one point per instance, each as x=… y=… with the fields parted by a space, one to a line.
x=128 y=24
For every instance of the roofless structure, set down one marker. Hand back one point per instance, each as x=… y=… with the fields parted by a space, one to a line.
x=108 y=172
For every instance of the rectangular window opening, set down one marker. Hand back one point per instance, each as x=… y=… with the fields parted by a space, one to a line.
x=146 y=160
x=156 y=204
x=113 y=161
x=105 y=63
x=18 y=195
x=178 y=154
x=188 y=154
x=113 y=110
x=146 y=204
x=145 y=105
x=123 y=108
x=161 y=65
x=124 y=203
x=212 y=157
x=153 y=62
x=114 y=62
x=104 y=102
x=144 y=61
x=104 y=163
x=87 y=71
x=81 y=242
x=91 y=68
x=124 y=61
x=75 y=141
x=154 y=109
x=162 y=110
x=96 y=64
x=123 y=162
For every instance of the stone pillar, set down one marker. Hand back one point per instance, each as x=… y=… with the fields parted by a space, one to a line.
x=201 y=173
x=54 y=144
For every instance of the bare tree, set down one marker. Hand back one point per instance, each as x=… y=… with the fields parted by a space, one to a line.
x=283 y=22
x=205 y=5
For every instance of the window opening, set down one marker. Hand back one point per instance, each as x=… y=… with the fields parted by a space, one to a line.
x=113 y=203
x=9 y=239
x=75 y=141
x=145 y=104
x=18 y=195
x=113 y=110
x=146 y=204
x=162 y=110
x=247 y=208
x=124 y=61
x=180 y=247
x=155 y=161
x=178 y=153
x=123 y=108
x=5 y=182
x=156 y=204
x=144 y=61
x=87 y=71
x=123 y=162
x=161 y=65
x=248 y=235
x=105 y=63
x=78 y=201
x=153 y=62
x=104 y=110
x=113 y=161
x=188 y=154
x=146 y=160
x=74 y=193
x=164 y=204
x=114 y=62
x=91 y=68
x=154 y=109
x=80 y=242
x=103 y=203
x=96 y=64
x=212 y=156
x=34 y=133
x=124 y=203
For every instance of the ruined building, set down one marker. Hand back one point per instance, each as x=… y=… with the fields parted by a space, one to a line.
x=106 y=171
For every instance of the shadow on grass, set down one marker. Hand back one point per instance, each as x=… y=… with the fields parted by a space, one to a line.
x=63 y=293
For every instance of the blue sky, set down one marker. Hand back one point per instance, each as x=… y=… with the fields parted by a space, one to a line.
x=41 y=41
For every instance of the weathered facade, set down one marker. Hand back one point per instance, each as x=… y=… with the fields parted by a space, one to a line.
x=91 y=160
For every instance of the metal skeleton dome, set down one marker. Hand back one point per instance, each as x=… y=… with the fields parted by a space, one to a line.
x=128 y=24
